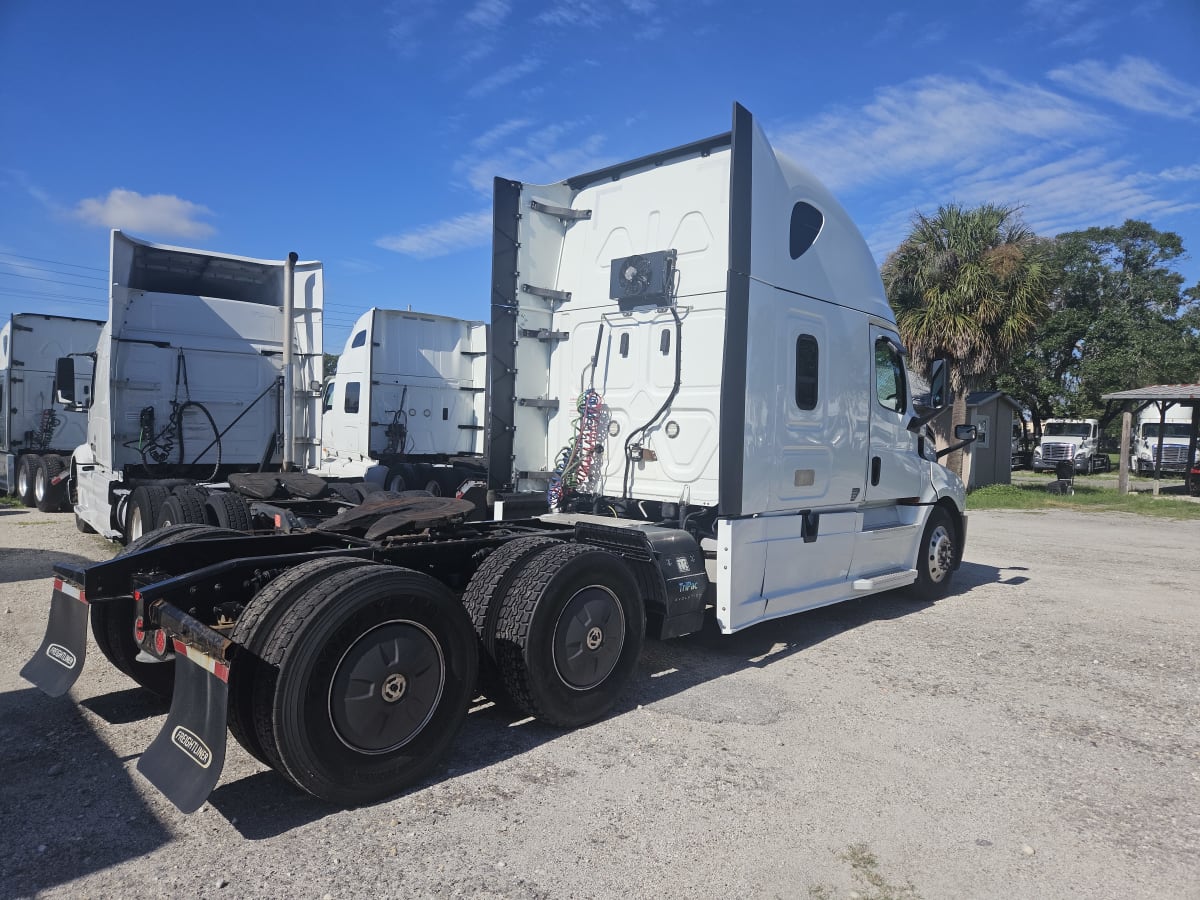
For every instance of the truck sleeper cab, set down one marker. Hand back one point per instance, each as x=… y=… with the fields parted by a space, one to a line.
x=36 y=435
x=699 y=406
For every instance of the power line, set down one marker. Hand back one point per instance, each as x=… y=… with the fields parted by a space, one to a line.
x=53 y=262
x=50 y=271
x=86 y=287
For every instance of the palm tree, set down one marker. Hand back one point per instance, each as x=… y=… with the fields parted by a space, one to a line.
x=968 y=285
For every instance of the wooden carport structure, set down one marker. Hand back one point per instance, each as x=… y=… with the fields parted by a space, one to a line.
x=1164 y=396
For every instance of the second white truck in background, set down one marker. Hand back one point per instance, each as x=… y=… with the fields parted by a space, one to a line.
x=1160 y=440
x=208 y=366
x=407 y=405
x=36 y=434
x=1070 y=440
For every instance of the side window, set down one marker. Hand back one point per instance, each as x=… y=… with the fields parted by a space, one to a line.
x=327 y=402
x=806 y=371
x=351 y=404
x=359 y=339
x=891 y=386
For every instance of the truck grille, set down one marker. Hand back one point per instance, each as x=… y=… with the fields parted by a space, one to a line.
x=1173 y=456
x=1056 y=452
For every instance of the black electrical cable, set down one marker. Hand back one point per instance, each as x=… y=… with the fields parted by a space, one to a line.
x=666 y=403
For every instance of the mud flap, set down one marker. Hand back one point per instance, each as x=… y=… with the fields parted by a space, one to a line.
x=59 y=660
x=186 y=758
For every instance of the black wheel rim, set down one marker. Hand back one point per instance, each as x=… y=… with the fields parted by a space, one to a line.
x=386 y=687
x=588 y=637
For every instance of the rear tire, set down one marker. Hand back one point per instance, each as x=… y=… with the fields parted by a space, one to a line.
x=376 y=668
x=247 y=673
x=113 y=621
x=26 y=467
x=48 y=496
x=230 y=511
x=569 y=634
x=482 y=600
x=145 y=504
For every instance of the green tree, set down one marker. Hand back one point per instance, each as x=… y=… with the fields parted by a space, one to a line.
x=330 y=364
x=1119 y=319
x=967 y=285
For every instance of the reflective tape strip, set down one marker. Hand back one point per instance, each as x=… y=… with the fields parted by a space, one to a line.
x=203 y=660
x=70 y=590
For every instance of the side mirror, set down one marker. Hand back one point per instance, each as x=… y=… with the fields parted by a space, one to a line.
x=64 y=380
x=966 y=433
x=938 y=375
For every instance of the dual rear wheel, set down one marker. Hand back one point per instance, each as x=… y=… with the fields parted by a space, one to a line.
x=352 y=678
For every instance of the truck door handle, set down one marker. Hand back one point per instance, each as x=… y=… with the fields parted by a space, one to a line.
x=876 y=462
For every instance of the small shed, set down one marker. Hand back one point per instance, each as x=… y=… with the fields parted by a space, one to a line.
x=989 y=459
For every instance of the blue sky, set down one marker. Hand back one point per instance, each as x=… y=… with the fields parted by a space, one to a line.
x=367 y=134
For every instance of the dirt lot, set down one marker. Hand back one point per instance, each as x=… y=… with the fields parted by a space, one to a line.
x=1033 y=735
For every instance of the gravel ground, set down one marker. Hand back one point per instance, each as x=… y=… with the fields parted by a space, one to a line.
x=1033 y=735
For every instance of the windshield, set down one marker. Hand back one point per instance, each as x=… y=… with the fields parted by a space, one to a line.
x=1068 y=429
x=1171 y=430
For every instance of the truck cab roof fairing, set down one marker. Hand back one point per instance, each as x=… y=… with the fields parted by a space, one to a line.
x=159 y=268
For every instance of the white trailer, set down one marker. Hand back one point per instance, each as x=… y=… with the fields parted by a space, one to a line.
x=209 y=365
x=36 y=435
x=407 y=406
x=1161 y=438
x=1076 y=441
x=698 y=402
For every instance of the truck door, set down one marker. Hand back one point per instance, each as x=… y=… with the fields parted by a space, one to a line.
x=894 y=470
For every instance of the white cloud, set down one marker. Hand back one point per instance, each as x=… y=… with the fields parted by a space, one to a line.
x=531 y=152
x=930 y=125
x=504 y=76
x=442 y=238
x=498 y=133
x=573 y=13
x=408 y=21
x=163 y=214
x=1135 y=83
x=1181 y=173
x=488 y=14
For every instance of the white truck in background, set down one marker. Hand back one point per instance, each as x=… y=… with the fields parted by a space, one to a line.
x=407 y=405
x=1175 y=429
x=37 y=435
x=209 y=365
x=698 y=409
x=1070 y=440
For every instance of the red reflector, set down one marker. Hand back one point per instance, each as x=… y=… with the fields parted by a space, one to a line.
x=58 y=584
x=139 y=629
x=279 y=521
x=160 y=642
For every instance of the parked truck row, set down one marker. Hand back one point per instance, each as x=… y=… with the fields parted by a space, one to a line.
x=201 y=397
x=698 y=410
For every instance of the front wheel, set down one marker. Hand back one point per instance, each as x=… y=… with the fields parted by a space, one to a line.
x=936 y=556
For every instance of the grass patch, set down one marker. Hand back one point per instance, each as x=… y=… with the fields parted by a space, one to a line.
x=872 y=884
x=14 y=502
x=1086 y=497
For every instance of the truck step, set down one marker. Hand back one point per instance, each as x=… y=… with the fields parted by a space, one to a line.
x=885 y=581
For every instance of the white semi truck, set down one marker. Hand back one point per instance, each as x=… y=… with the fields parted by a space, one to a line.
x=699 y=409
x=37 y=436
x=1160 y=440
x=209 y=365
x=407 y=406
x=1070 y=440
